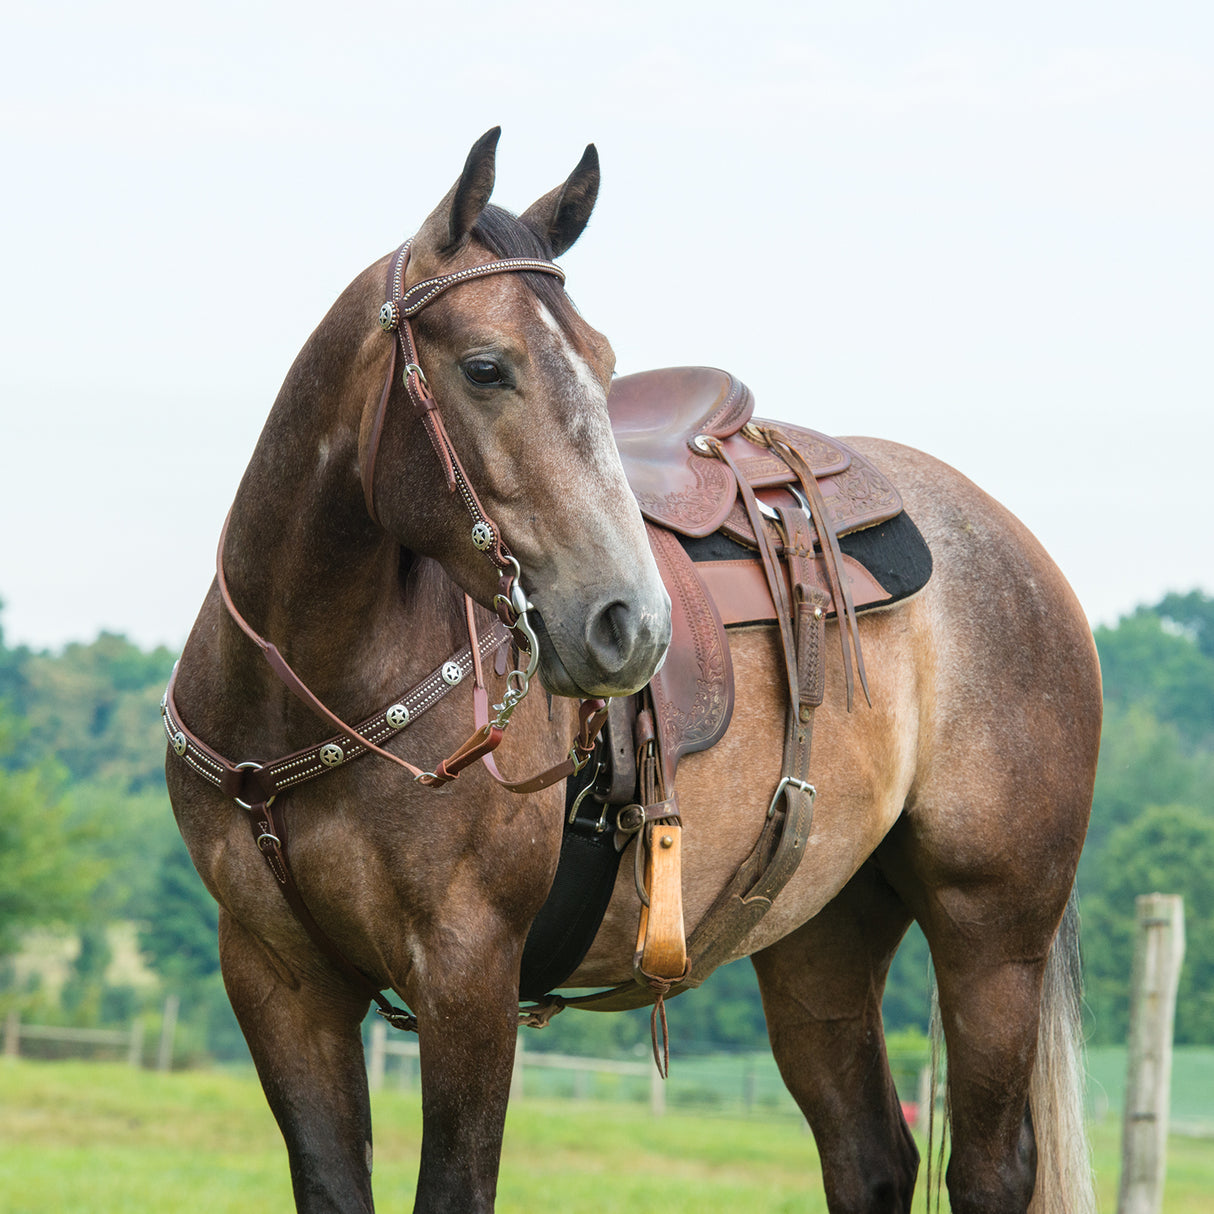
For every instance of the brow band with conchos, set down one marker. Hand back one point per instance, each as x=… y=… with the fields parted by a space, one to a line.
x=410 y=302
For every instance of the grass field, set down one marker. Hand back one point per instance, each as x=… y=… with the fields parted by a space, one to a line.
x=96 y=1138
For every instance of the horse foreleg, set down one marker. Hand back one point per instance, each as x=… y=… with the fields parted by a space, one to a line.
x=466 y=1001
x=821 y=990
x=308 y=1051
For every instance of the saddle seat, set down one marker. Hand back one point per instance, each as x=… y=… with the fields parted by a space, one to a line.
x=660 y=416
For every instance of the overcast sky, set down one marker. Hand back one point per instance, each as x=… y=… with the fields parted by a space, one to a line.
x=983 y=230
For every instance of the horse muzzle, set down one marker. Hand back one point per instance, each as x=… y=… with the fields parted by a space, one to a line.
x=621 y=646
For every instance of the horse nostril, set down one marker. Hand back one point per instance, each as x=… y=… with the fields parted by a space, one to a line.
x=610 y=637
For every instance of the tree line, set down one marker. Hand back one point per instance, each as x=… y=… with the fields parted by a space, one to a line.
x=87 y=840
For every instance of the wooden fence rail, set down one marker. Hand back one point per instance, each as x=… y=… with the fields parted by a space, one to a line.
x=15 y=1031
x=382 y=1046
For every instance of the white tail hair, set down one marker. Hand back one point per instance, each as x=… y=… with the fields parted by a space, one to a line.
x=1056 y=1090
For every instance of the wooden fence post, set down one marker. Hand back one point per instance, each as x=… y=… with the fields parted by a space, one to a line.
x=657 y=1093
x=12 y=1034
x=168 y=1030
x=516 y=1075
x=134 y=1052
x=1158 y=952
x=379 y=1054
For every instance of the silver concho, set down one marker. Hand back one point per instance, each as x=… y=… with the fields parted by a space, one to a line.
x=331 y=755
x=452 y=673
x=482 y=536
x=178 y=743
x=389 y=316
x=397 y=716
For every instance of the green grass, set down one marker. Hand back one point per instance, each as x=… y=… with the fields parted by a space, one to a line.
x=1192 y=1100
x=96 y=1138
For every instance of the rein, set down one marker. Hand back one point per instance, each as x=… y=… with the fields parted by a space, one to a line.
x=254 y=786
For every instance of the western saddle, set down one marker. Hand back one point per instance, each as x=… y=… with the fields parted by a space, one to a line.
x=744 y=518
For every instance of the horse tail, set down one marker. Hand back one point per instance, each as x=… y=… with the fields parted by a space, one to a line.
x=1056 y=1090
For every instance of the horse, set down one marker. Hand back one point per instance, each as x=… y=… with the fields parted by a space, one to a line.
x=348 y=570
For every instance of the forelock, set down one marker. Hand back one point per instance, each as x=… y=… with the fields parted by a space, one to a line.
x=505 y=235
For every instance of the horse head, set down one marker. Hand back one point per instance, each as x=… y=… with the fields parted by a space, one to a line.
x=519 y=381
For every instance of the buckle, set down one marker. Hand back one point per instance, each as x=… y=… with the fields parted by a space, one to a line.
x=579 y=757
x=804 y=785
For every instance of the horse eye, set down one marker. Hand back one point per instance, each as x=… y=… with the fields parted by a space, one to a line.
x=483 y=371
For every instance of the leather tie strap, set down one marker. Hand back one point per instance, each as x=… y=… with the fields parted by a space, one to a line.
x=833 y=557
x=771 y=568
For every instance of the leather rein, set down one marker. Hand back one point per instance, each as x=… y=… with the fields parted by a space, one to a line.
x=255 y=786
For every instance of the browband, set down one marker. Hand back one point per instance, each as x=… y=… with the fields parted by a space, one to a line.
x=408 y=303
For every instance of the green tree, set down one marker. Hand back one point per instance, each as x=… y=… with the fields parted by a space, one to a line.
x=95 y=707
x=180 y=938
x=726 y=1013
x=908 y=988
x=1170 y=850
x=1143 y=761
x=1154 y=659
x=12 y=662
x=1193 y=613
x=48 y=870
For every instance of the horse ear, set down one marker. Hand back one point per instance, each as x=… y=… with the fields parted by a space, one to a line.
x=446 y=230
x=562 y=214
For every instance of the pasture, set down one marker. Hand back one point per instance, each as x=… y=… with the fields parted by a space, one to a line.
x=99 y=1138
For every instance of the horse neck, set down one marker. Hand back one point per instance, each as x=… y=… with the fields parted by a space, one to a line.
x=307 y=567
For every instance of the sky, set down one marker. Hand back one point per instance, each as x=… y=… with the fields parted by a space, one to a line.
x=982 y=230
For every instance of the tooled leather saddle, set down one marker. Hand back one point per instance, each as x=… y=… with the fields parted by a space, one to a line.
x=751 y=523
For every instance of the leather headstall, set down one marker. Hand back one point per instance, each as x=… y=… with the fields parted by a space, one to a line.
x=402 y=304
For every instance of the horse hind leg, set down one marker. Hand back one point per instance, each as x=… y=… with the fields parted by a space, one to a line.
x=307 y=1048
x=821 y=989
x=1001 y=979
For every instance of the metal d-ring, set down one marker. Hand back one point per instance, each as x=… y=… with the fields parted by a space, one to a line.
x=245 y=804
